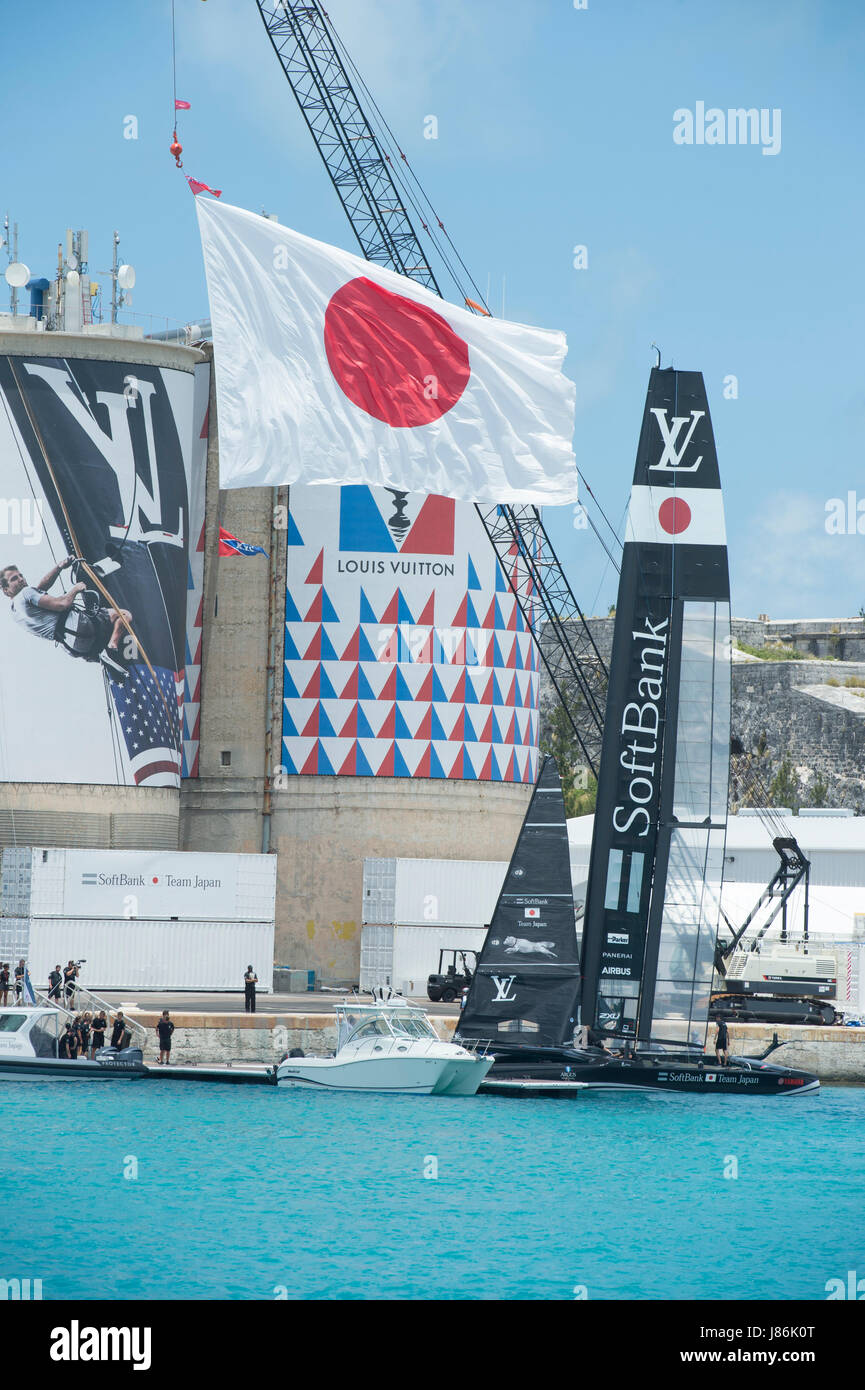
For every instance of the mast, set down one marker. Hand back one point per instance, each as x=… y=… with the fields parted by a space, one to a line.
x=660 y=823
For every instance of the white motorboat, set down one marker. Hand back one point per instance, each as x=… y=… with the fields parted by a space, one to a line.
x=388 y=1046
x=28 y=1050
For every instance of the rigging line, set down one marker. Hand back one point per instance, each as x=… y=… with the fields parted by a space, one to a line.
x=615 y=533
x=87 y=567
x=386 y=133
x=173 y=66
x=613 y=561
x=22 y=456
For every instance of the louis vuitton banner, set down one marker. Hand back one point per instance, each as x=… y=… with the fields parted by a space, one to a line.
x=96 y=462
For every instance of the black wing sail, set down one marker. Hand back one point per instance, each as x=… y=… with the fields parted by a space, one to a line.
x=660 y=821
x=526 y=985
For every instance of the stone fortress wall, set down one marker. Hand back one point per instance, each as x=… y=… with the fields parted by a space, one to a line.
x=803 y=708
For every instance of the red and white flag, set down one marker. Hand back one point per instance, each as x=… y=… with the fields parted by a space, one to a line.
x=181 y=105
x=198 y=187
x=332 y=370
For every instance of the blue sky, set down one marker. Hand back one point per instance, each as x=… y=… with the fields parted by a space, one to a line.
x=555 y=130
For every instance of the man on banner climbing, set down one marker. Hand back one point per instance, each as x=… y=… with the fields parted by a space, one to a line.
x=94 y=635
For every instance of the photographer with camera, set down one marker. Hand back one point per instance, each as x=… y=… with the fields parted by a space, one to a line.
x=70 y=975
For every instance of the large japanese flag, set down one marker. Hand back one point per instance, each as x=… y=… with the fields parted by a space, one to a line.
x=332 y=370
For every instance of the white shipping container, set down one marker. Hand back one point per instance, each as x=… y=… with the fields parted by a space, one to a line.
x=403 y=956
x=159 y=885
x=447 y=892
x=135 y=955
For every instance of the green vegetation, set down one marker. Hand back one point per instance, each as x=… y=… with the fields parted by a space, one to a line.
x=776 y=652
x=579 y=787
x=854 y=683
x=818 y=791
x=784 y=788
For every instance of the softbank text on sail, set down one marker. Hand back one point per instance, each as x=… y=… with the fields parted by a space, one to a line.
x=736 y=126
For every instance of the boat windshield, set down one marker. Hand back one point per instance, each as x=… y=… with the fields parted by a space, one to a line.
x=412 y=1026
x=10 y=1023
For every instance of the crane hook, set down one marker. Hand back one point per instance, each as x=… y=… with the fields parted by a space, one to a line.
x=176 y=149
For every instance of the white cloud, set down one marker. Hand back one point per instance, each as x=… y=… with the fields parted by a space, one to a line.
x=785 y=564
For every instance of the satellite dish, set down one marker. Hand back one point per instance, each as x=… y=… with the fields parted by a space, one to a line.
x=17 y=275
x=73 y=279
x=126 y=277
x=72 y=261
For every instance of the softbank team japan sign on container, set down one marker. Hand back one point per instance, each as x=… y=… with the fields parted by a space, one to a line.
x=201 y=887
x=406 y=654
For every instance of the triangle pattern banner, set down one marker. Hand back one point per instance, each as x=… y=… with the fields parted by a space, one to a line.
x=406 y=654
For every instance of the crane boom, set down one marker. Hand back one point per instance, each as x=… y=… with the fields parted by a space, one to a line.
x=361 y=173
x=348 y=146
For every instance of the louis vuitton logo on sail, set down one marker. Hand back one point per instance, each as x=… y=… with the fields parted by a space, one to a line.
x=503 y=984
x=672 y=457
x=643 y=721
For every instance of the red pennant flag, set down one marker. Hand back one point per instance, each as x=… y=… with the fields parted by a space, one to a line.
x=197 y=187
x=181 y=105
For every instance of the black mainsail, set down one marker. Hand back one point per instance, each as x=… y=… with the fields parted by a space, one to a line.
x=660 y=821
x=526 y=984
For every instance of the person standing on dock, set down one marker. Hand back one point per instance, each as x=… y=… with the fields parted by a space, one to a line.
x=55 y=980
x=20 y=970
x=118 y=1030
x=250 y=980
x=4 y=983
x=70 y=975
x=722 y=1043
x=97 y=1037
x=164 y=1028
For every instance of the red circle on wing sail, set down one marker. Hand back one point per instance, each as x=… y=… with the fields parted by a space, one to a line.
x=674 y=515
x=394 y=358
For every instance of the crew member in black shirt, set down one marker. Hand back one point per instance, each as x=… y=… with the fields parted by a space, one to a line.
x=118 y=1030
x=4 y=984
x=100 y=1023
x=250 y=980
x=55 y=979
x=19 y=981
x=722 y=1043
x=164 y=1028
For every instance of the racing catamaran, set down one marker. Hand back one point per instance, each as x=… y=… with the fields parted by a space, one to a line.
x=630 y=1011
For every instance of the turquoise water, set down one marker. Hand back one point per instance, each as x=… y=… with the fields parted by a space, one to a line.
x=249 y=1193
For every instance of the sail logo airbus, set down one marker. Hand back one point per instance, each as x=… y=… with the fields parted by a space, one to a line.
x=672 y=457
x=643 y=721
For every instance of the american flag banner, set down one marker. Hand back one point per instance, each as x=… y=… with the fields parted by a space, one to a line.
x=149 y=720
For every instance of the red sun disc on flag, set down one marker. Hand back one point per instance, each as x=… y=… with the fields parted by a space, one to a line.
x=674 y=515
x=396 y=359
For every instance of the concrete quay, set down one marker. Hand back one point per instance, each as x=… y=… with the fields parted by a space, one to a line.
x=212 y=1038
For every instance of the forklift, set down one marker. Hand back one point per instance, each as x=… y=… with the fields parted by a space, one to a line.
x=449 y=982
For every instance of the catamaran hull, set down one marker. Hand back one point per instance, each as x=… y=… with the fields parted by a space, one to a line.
x=741 y=1077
